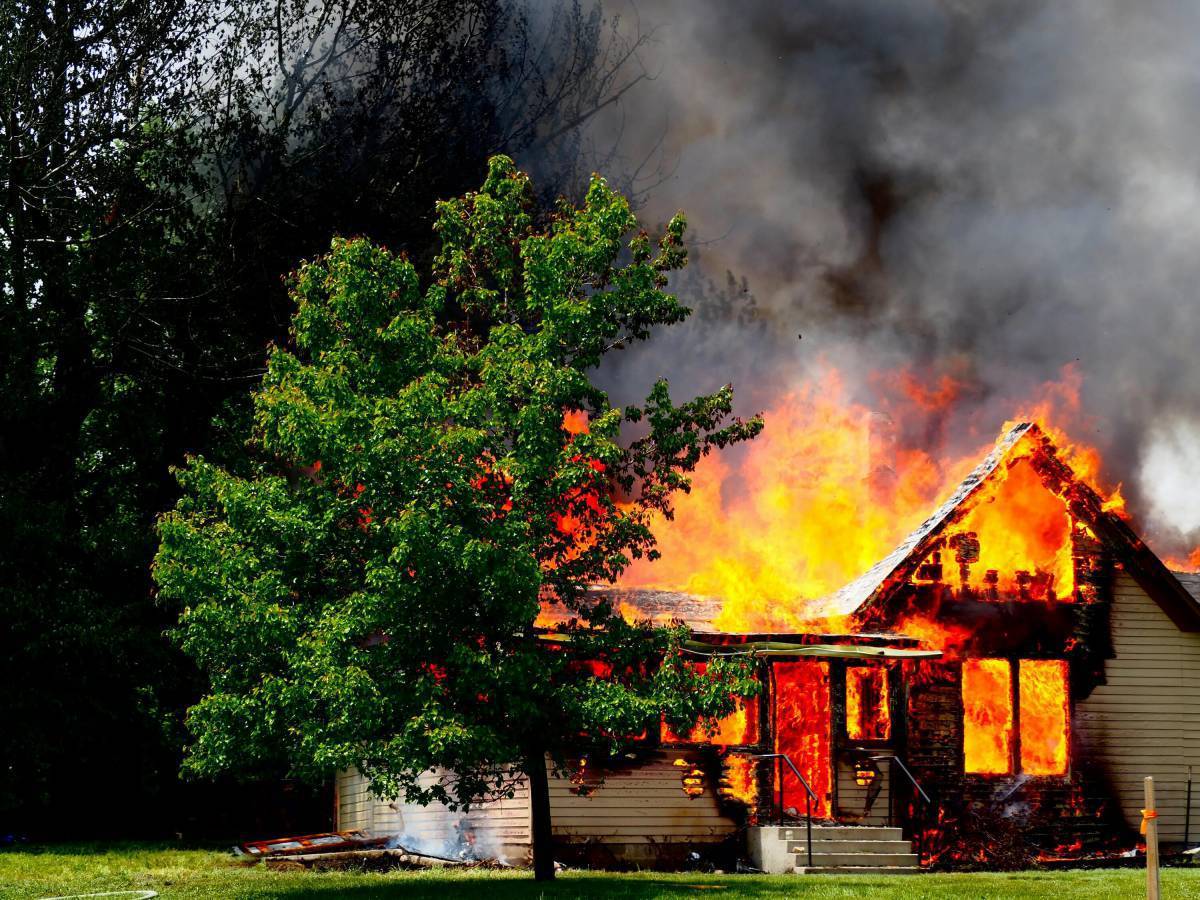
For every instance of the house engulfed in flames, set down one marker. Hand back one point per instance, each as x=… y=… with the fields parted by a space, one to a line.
x=1027 y=703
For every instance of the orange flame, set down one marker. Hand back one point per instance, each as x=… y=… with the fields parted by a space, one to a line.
x=828 y=489
x=803 y=731
x=1043 y=692
x=801 y=521
x=1191 y=563
x=739 y=727
x=691 y=777
x=1021 y=528
x=987 y=716
x=868 y=717
x=739 y=779
x=575 y=421
x=950 y=639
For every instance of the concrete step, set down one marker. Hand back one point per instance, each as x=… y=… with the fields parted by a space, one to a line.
x=836 y=848
x=850 y=846
x=842 y=833
x=875 y=860
x=856 y=870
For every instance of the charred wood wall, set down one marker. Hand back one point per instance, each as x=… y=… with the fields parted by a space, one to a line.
x=995 y=821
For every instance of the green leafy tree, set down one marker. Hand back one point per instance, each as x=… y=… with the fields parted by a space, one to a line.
x=430 y=466
x=163 y=161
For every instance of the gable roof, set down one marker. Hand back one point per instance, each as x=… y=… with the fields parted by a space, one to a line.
x=898 y=565
x=895 y=569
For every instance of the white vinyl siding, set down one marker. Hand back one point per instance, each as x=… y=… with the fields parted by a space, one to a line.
x=1146 y=719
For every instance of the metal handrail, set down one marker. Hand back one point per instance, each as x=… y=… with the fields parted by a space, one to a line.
x=928 y=803
x=808 y=799
x=898 y=761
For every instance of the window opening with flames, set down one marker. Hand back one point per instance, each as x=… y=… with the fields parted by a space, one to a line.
x=1015 y=716
x=739 y=728
x=868 y=713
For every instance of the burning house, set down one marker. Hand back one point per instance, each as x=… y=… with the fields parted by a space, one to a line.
x=1015 y=666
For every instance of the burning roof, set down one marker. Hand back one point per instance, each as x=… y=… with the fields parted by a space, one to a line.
x=1023 y=443
x=855 y=595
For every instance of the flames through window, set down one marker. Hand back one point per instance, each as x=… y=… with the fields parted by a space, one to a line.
x=738 y=728
x=868 y=717
x=1015 y=716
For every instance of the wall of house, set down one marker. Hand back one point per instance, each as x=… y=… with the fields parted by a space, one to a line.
x=496 y=828
x=355 y=805
x=636 y=815
x=853 y=807
x=935 y=730
x=1145 y=720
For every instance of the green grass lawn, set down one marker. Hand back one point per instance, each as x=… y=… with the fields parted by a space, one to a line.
x=73 y=869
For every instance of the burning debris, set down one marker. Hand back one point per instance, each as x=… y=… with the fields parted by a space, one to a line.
x=325 y=842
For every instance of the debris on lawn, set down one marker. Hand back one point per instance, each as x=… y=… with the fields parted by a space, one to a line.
x=375 y=860
x=326 y=842
x=349 y=850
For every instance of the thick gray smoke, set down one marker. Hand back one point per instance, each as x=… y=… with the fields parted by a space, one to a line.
x=989 y=190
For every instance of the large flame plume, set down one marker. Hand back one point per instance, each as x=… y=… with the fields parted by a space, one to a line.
x=830 y=487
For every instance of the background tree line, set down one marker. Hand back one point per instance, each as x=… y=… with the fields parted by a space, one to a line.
x=164 y=163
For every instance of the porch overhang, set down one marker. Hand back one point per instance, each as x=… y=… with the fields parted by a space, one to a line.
x=829 y=651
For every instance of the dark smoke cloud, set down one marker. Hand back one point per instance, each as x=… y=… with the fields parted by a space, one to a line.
x=991 y=189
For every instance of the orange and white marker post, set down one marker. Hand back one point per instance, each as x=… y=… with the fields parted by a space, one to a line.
x=1150 y=830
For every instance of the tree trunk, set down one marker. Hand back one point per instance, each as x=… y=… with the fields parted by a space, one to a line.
x=539 y=808
x=73 y=383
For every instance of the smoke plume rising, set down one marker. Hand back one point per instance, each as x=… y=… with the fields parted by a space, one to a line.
x=985 y=193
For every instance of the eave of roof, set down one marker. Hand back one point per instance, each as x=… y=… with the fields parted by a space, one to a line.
x=828 y=651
